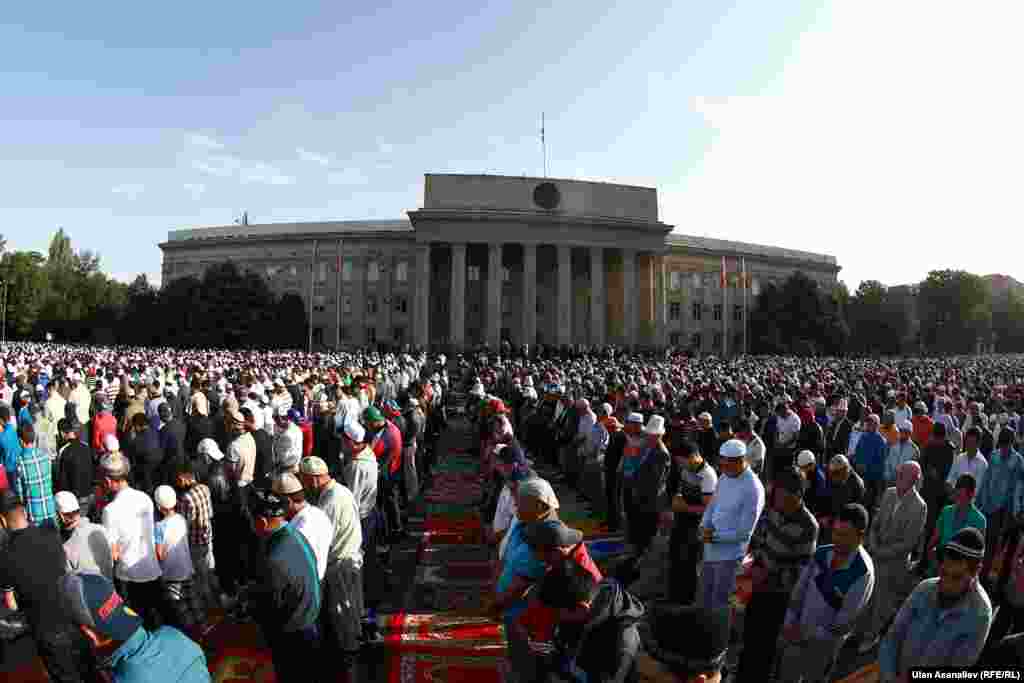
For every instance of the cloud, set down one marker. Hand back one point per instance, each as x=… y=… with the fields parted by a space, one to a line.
x=313 y=157
x=195 y=189
x=386 y=148
x=205 y=141
x=877 y=143
x=229 y=166
x=348 y=176
x=259 y=172
x=130 y=190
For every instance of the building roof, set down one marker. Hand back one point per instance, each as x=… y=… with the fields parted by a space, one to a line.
x=675 y=239
x=268 y=229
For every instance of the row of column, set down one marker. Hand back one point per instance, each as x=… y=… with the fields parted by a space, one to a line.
x=598 y=293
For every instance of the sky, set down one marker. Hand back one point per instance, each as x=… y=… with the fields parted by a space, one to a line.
x=885 y=133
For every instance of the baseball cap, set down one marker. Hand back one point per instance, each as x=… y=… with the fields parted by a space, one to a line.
x=67 y=502
x=313 y=466
x=551 y=534
x=165 y=497
x=210 y=449
x=90 y=600
x=286 y=484
x=373 y=416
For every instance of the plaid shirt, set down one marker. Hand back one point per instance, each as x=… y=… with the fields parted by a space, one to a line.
x=34 y=485
x=196 y=506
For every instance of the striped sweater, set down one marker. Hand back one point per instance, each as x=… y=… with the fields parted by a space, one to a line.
x=783 y=545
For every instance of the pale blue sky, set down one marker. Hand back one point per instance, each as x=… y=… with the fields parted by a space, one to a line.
x=805 y=124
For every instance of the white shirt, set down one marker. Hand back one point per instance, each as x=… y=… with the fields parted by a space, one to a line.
x=788 y=428
x=339 y=504
x=173 y=532
x=506 y=510
x=129 y=523
x=312 y=523
x=976 y=467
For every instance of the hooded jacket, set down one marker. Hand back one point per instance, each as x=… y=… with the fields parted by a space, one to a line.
x=605 y=647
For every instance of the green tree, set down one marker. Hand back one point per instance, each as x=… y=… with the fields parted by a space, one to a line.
x=26 y=287
x=955 y=311
x=799 y=317
x=879 y=322
x=1008 y=323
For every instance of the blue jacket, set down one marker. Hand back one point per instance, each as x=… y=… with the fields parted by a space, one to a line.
x=165 y=655
x=1001 y=487
x=869 y=458
x=10 y=446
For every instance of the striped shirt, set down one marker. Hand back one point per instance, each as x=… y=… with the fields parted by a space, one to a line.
x=783 y=545
x=196 y=506
x=33 y=484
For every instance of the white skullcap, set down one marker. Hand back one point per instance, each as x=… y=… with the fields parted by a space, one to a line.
x=355 y=431
x=66 y=502
x=805 y=458
x=111 y=444
x=733 y=448
x=165 y=497
x=539 y=489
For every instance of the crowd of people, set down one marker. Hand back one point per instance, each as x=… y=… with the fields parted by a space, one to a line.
x=143 y=487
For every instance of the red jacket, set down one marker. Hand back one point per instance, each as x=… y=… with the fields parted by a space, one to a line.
x=102 y=424
x=306 y=428
x=388 y=446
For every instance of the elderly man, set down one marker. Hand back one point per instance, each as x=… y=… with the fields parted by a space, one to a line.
x=895 y=532
x=85 y=544
x=728 y=523
x=827 y=600
x=342 y=610
x=945 y=621
x=904 y=450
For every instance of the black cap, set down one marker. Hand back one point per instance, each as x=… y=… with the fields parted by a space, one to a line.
x=690 y=640
x=552 y=533
x=9 y=500
x=855 y=515
x=967 y=544
x=966 y=481
x=266 y=504
x=789 y=480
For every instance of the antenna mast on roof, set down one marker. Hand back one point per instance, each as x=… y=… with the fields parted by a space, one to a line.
x=543 y=145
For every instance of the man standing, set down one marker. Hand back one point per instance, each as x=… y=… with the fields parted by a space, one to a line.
x=999 y=494
x=869 y=460
x=783 y=543
x=310 y=521
x=342 y=612
x=827 y=600
x=241 y=451
x=75 y=468
x=128 y=519
x=837 y=437
x=695 y=485
x=195 y=503
x=846 y=487
x=936 y=459
x=728 y=523
x=971 y=461
x=945 y=621
x=86 y=546
x=285 y=593
x=894 y=534
x=30 y=566
x=172 y=444
x=33 y=480
x=904 y=450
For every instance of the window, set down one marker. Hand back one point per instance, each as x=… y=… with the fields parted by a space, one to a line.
x=318 y=303
x=737 y=342
x=346 y=270
x=473 y=273
x=674 y=310
x=673 y=339
x=506 y=274
x=695 y=310
x=737 y=313
x=371 y=305
x=371 y=335
x=343 y=333
x=540 y=308
x=474 y=308
x=718 y=311
x=401 y=304
x=321 y=271
x=696 y=341
x=372 y=271
x=718 y=340
x=398 y=334
x=318 y=335
x=402 y=272
x=346 y=305
x=675 y=281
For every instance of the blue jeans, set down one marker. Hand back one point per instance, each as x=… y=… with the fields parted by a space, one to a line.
x=717 y=583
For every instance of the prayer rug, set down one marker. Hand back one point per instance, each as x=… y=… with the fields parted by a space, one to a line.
x=438 y=648
x=868 y=674
x=442 y=554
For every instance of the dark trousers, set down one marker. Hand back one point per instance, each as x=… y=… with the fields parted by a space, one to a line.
x=611 y=491
x=685 y=553
x=641 y=527
x=387 y=502
x=935 y=505
x=873 y=489
x=374 y=581
x=228 y=555
x=296 y=655
x=66 y=654
x=762 y=625
x=146 y=598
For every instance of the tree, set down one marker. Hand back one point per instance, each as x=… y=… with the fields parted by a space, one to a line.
x=1008 y=323
x=798 y=317
x=879 y=321
x=955 y=311
x=26 y=289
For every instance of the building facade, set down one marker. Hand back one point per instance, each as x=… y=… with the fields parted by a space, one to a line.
x=487 y=258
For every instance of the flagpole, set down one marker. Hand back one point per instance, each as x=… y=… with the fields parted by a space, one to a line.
x=312 y=280
x=543 y=145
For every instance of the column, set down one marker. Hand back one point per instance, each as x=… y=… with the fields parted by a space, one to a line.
x=458 y=302
x=660 y=317
x=494 y=285
x=422 y=303
x=629 y=303
x=339 y=262
x=529 y=295
x=564 y=321
x=385 y=303
x=597 y=296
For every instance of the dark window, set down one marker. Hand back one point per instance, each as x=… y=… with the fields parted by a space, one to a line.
x=695 y=341
x=398 y=334
x=718 y=340
x=371 y=305
x=696 y=310
x=675 y=311
x=401 y=304
x=737 y=313
x=718 y=311
x=673 y=339
x=318 y=335
x=371 y=335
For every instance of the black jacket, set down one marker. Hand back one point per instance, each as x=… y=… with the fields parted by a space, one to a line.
x=144 y=453
x=75 y=469
x=264 y=457
x=606 y=646
x=811 y=438
x=199 y=427
x=837 y=440
x=172 y=443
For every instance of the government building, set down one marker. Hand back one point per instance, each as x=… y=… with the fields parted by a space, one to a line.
x=491 y=258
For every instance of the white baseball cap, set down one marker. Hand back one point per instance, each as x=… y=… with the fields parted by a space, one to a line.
x=165 y=497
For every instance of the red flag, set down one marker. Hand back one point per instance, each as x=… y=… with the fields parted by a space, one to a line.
x=723 y=272
x=337 y=268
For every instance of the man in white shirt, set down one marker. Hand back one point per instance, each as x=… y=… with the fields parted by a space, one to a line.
x=971 y=461
x=787 y=425
x=307 y=519
x=128 y=519
x=181 y=606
